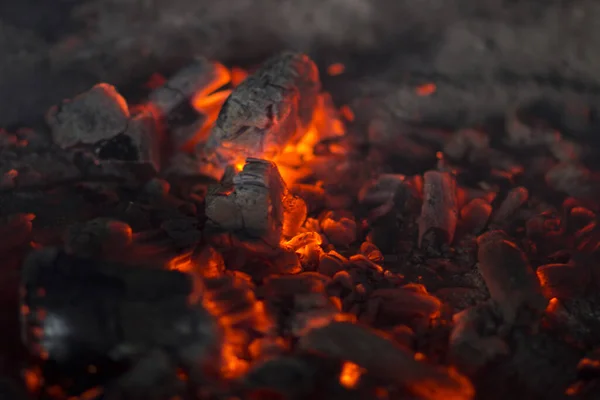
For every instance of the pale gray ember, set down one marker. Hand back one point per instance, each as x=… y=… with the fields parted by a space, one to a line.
x=98 y=114
x=509 y=278
x=184 y=84
x=268 y=110
x=251 y=205
x=439 y=211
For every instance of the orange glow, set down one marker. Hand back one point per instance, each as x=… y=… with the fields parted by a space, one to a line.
x=347 y=113
x=32 y=379
x=326 y=124
x=237 y=76
x=553 y=305
x=181 y=263
x=426 y=90
x=239 y=166
x=336 y=69
x=350 y=375
x=207 y=103
x=232 y=366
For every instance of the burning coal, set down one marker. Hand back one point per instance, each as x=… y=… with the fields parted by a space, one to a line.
x=252 y=246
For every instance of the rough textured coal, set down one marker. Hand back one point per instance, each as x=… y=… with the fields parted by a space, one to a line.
x=429 y=305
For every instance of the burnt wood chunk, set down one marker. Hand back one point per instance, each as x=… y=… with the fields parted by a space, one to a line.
x=99 y=114
x=475 y=215
x=268 y=110
x=386 y=360
x=250 y=205
x=508 y=276
x=509 y=206
x=439 y=212
x=564 y=281
x=200 y=75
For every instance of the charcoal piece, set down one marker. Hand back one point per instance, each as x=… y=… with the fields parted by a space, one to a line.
x=381 y=190
x=98 y=237
x=99 y=114
x=363 y=263
x=200 y=75
x=287 y=377
x=309 y=311
x=268 y=110
x=439 y=212
x=386 y=360
x=140 y=144
x=403 y=305
x=515 y=198
x=371 y=251
x=475 y=215
x=157 y=188
x=564 y=281
x=80 y=311
x=474 y=341
x=509 y=277
x=339 y=230
x=331 y=263
x=286 y=261
x=251 y=208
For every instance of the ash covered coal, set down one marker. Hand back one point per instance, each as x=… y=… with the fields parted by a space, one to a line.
x=361 y=259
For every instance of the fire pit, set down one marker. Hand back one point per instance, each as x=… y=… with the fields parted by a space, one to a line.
x=261 y=232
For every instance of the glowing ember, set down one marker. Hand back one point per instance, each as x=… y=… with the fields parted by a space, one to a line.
x=350 y=375
x=336 y=69
x=426 y=89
